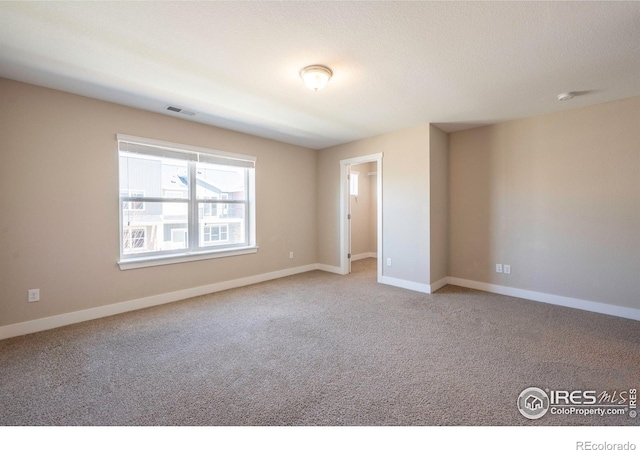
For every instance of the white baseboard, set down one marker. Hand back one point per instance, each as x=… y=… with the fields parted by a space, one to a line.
x=411 y=285
x=328 y=268
x=61 y=320
x=585 y=305
x=414 y=286
x=363 y=256
x=439 y=284
x=48 y=323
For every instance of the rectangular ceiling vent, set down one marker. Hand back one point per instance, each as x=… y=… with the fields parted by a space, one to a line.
x=176 y=109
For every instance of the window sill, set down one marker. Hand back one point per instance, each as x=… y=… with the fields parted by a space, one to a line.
x=137 y=263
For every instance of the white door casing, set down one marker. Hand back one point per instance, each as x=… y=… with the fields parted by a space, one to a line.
x=345 y=211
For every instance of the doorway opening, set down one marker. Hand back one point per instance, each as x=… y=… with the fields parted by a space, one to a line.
x=361 y=194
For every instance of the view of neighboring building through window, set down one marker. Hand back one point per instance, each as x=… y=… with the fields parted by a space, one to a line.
x=134 y=239
x=176 y=201
x=215 y=233
x=131 y=206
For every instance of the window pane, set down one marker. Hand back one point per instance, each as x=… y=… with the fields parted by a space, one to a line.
x=152 y=176
x=226 y=228
x=157 y=227
x=220 y=182
x=165 y=187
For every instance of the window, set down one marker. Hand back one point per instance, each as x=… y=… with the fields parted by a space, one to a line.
x=180 y=203
x=353 y=183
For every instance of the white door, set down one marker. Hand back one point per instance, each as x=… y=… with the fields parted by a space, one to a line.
x=345 y=210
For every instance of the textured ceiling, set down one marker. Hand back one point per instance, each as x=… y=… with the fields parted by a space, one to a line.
x=395 y=64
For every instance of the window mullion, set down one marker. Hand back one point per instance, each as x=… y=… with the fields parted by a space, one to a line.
x=194 y=236
x=250 y=199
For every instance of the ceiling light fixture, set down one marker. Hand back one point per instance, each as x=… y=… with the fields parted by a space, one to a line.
x=316 y=77
x=565 y=96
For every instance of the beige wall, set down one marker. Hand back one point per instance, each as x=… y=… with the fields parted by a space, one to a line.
x=363 y=211
x=439 y=202
x=59 y=203
x=405 y=209
x=555 y=196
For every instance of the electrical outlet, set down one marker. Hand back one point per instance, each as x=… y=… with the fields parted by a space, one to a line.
x=290 y=255
x=389 y=262
x=34 y=295
x=507 y=268
x=499 y=268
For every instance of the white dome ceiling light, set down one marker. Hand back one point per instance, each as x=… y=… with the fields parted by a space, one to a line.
x=565 y=96
x=316 y=77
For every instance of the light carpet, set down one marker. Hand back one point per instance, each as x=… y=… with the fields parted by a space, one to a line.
x=318 y=349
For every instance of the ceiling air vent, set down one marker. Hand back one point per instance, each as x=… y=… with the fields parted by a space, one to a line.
x=180 y=110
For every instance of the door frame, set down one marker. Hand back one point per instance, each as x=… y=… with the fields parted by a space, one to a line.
x=344 y=209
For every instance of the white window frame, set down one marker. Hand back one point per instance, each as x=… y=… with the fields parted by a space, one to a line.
x=196 y=249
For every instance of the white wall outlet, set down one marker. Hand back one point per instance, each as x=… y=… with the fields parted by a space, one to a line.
x=34 y=295
x=290 y=255
x=499 y=268
x=507 y=268
x=389 y=262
